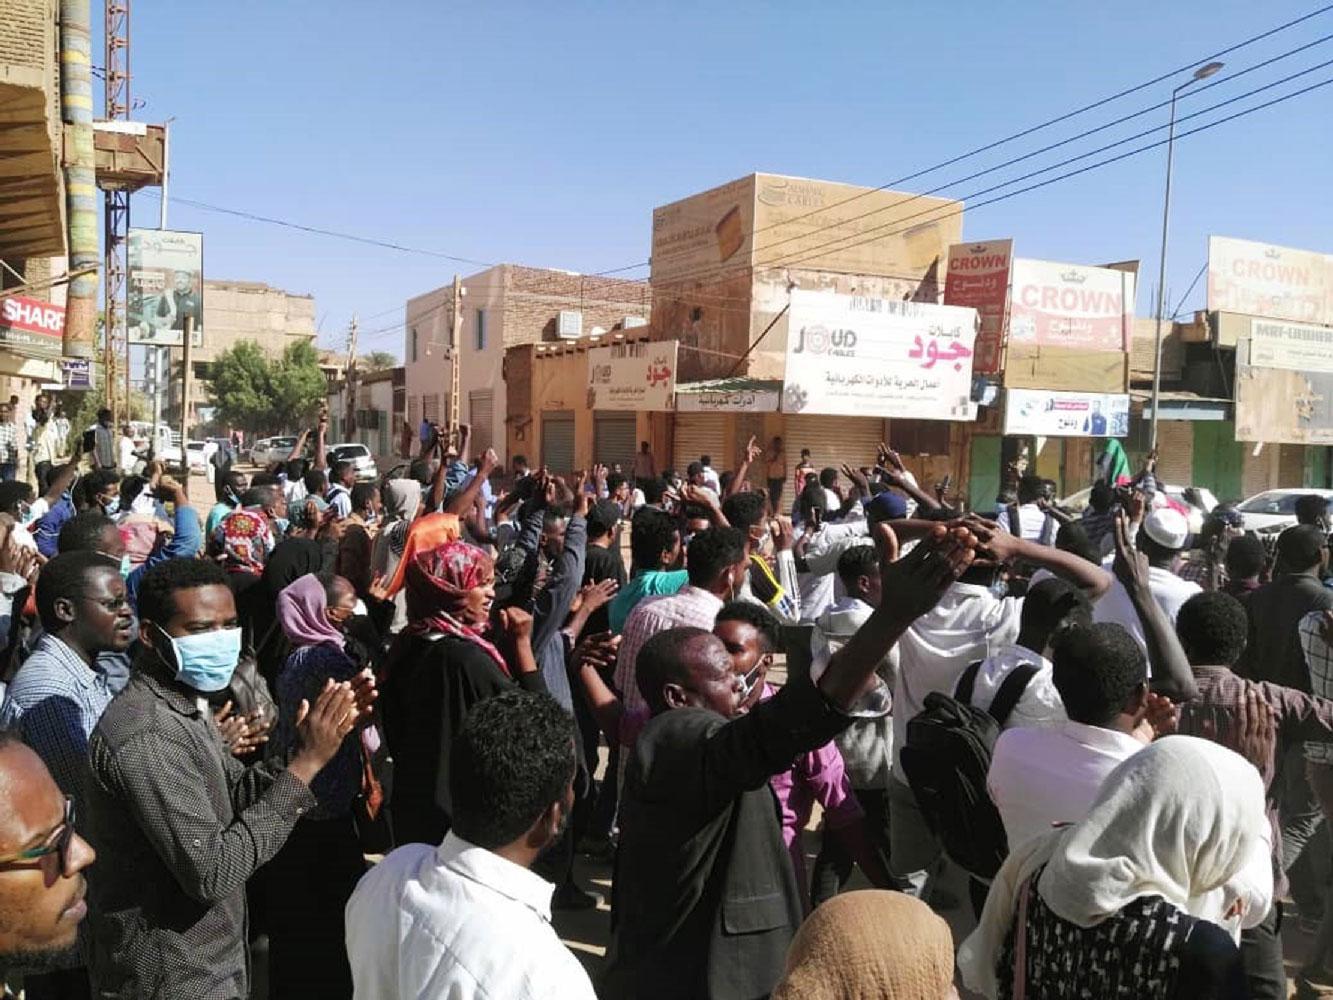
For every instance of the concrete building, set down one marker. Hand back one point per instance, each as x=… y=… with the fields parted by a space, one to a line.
x=235 y=311
x=503 y=307
x=379 y=416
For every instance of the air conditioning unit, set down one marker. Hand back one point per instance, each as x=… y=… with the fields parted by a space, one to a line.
x=630 y=322
x=569 y=326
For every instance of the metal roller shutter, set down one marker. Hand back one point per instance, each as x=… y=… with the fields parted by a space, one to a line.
x=481 y=410
x=558 y=441
x=833 y=440
x=613 y=440
x=1175 y=452
x=698 y=434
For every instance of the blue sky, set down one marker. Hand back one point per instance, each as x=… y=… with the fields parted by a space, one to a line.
x=544 y=134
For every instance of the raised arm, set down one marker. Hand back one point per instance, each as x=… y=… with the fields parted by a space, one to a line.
x=1171 y=673
x=321 y=436
x=752 y=453
x=298 y=449
x=1006 y=548
x=466 y=498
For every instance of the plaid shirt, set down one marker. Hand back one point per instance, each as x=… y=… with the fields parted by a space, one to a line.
x=1319 y=659
x=9 y=444
x=55 y=701
x=1195 y=569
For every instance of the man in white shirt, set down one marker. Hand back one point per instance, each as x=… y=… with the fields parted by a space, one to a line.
x=1034 y=524
x=711 y=479
x=968 y=624
x=468 y=919
x=1049 y=608
x=1043 y=776
x=1164 y=536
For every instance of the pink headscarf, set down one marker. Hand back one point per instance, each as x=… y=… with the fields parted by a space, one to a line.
x=301 y=607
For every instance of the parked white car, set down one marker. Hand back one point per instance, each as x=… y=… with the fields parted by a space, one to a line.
x=359 y=454
x=198 y=454
x=1274 y=510
x=1202 y=503
x=273 y=449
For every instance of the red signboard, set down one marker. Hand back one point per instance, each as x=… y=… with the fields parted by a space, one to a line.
x=32 y=326
x=978 y=276
x=1066 y=305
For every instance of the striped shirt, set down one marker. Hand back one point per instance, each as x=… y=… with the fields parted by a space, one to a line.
x=9 y=443
x=55 y=701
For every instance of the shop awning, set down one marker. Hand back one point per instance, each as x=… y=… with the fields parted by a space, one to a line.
x=729 y=395
x=32 y=202
x=1180 y=405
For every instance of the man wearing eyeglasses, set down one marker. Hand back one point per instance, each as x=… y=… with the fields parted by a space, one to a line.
x=41 y=865
x=62 y=689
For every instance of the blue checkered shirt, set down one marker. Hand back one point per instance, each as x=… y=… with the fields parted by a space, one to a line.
x=55 y=701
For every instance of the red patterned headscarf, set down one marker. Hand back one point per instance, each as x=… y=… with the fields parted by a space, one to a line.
x=246 y=541
x=438 y=582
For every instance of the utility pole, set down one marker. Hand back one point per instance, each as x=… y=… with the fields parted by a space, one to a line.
x=185 y=399
x=455 y=342
x=349 y=416
x=117 y=211
x=161 y=355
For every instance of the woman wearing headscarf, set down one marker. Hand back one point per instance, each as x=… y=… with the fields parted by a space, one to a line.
x=292 y=559
x=311 y=878
x=402 y=504
x=442 y=664
x=870 y=943
x=1145 y=897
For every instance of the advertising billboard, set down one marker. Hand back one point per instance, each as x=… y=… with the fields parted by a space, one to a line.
x=704 y=234
x=1259 y=279
x=1294 y=346
x=166 y=286
x=1066 y=414
x=868 y=357
x=31 y=326
x=632 y=376
x=1071 y=306
x=978 y=276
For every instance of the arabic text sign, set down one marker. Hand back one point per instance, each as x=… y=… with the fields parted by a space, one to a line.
x=1275 y=282
x=878 y=357
x=632 y=376
x=1068 y=305
x=76 y=373
x=166 y=286
x=1294 y=346
x=1065 y=414
x=978 y=276
x=32 y=326
x=728 y=401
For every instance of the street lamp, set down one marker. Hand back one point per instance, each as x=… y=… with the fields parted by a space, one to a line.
x=1202 y=73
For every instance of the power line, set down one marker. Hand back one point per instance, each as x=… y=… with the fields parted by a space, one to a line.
x=1035 y=128
x=782 y=260
x=319 y=231
x=1082 y=170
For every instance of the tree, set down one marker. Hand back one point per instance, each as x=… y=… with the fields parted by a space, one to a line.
x=261 y=396
x=377 y=361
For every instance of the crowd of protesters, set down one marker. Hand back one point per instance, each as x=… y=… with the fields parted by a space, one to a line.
x=1122 y=735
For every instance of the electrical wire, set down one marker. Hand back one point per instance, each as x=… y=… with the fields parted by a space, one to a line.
x=1036 y=128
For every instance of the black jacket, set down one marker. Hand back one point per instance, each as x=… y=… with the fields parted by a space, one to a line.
x=1273 y=652
x=705 y=901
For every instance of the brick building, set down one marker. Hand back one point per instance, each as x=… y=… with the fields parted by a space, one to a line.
x=503 y=307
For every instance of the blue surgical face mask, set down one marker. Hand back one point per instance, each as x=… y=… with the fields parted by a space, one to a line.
x=112 y=508
x=126 y=567
x=26 y=514
x=284 y=525
x=207 y=660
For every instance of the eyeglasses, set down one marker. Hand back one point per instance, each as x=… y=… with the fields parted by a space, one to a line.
x=111 y=603
x=58 y=844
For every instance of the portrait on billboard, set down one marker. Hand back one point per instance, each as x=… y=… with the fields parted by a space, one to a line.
x=166 y=287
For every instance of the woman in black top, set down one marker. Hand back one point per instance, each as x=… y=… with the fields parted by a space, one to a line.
x=439 y=667
x=1143 y=898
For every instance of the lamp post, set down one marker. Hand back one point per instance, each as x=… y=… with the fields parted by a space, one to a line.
x=1202 y=73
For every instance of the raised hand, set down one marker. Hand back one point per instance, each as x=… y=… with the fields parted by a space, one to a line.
x=517 y=624
x=490 y=461
x=752 y=451
x=918 y=580
x=1131 y=566
x=597 y=595
x=597 y=650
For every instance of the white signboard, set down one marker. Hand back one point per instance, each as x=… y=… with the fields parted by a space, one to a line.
x=166 y=286
x=728 y=401
x=1068 y=305
x=1294 y=346
x=868 y=357
x=632 y=376
x=1044 y=413
x=1260 y=279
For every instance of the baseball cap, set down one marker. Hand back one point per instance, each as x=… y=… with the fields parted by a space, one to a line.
x=886 y=506
x=1167 y=527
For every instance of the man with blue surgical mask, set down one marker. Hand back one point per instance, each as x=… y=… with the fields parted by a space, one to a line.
x=187 y=824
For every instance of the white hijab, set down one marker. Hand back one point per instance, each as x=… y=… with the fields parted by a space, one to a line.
x=1182 y=819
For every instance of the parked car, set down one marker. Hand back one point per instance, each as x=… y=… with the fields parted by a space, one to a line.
x=1199 y=500
x=350 y=451
x=198 y=454
x=269 y=450
x=1274 y=510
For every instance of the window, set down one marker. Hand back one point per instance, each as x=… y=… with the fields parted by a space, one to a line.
x=481 y=330
x=412 y=344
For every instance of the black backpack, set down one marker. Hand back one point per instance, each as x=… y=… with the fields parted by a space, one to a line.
x=946 y=757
